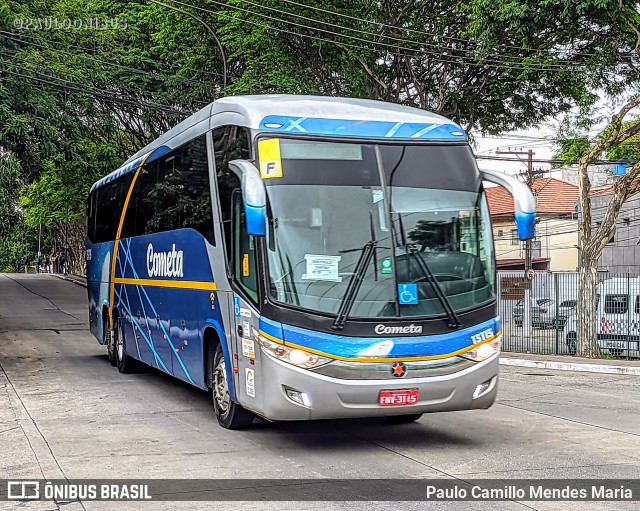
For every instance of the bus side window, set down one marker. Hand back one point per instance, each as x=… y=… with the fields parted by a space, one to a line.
x=145 y=199
x=229 y=143
x=244 y=253
x=91 y=215
x=169 y=193
x=195 y=196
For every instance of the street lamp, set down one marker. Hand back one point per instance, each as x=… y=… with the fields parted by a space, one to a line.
x=224 y=57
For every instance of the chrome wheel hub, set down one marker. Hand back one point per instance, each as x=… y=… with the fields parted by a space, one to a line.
x=220 y=387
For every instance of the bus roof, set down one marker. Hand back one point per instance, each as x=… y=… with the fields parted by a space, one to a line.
x=316 y=115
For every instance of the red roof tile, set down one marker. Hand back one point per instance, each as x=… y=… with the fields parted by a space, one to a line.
x=554 y=196
x=603 y=190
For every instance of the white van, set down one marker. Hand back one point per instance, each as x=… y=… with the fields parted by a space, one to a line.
x=618 y=317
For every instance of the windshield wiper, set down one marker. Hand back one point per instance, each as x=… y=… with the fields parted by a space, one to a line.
x=454 y=321
x=366 y=254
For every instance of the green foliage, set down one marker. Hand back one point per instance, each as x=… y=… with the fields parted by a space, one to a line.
x=628 y=150
x=76 y=103
x=571 y=149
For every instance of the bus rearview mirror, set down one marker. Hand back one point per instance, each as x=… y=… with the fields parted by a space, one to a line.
x=523 y=201
x=254 y=196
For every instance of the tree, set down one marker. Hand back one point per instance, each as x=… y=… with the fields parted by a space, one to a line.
x=593 y=242
x=605 y=35
x=425 y=54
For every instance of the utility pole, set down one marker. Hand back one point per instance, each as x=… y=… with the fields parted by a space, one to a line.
x=526 y=319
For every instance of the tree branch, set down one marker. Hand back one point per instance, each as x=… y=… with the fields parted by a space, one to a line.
x=617 y=130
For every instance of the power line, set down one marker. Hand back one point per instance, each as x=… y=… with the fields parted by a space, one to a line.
x=8 y=35
x=93 y=92
x=452 y=38
x=48 y=67
x=436 y=47
x=17 y=37
x=541 y=160
x=434 y=56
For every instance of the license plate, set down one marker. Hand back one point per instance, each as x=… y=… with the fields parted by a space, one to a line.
x=398 y=397
x=617 y=344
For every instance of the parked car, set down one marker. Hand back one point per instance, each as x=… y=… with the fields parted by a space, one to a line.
x=543 y=313
x=565 y=309
x=617 y=319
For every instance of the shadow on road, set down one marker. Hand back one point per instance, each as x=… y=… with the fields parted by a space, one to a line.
x=330 y=435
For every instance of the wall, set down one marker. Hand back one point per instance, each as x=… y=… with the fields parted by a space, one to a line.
x=600 y=175
x=558 y=239
x=623 y=254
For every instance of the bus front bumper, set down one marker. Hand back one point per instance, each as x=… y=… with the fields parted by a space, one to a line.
x=330 y=398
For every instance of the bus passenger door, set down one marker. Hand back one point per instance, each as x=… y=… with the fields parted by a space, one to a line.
x=246 y=315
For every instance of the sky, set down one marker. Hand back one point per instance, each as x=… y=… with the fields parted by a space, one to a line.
x=517 y=141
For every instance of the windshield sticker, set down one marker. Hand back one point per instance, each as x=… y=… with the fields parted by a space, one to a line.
x=408 y=294
x=250 y=382
x=270 y=161
x=321 y=267
x=245 y=265
x=248 y=348
x=386 y=266
x=377 y=195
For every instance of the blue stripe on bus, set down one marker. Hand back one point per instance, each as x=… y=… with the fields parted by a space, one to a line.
x=167 y=336
x=144 y=312
x=369 y=129
x=273 y=328
x=149 y=342
x=418 y=346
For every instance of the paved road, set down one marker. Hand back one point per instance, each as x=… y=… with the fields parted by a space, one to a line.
x=65 y=412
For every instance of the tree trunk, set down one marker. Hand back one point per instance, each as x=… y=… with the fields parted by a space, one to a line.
x=586 y=311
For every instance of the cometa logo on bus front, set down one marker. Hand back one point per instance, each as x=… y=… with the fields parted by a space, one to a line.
x=165 y=264
x=388 y=330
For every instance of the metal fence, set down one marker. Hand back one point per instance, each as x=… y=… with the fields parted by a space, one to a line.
x=552 y=313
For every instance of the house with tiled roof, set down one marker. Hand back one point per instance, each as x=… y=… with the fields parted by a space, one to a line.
x=555 y=247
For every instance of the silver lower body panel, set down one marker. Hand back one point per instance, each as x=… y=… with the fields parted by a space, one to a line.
x=332 y=398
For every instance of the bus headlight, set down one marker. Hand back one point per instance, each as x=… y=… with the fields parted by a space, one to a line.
x=484 y=351
x=294 y=356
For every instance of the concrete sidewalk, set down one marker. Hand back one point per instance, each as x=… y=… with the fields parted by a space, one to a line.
x=76 y=279
x=567 y=363
x=555 y=362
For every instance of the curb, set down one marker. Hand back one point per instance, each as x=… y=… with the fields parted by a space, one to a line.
x=571 y=366
x=68 y=279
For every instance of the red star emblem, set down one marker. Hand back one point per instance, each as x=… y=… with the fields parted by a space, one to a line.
x=398 y=370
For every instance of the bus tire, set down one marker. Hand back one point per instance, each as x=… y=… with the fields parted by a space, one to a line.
x=107 y=341
x=125 y=363
x=230 y=415
x=403 y=419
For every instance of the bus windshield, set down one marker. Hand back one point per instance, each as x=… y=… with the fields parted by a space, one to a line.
x=328 y=208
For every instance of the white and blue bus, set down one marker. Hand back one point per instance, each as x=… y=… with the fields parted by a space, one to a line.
x=304 y=258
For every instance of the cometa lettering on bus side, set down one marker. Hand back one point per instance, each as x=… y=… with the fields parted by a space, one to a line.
x=165 y=264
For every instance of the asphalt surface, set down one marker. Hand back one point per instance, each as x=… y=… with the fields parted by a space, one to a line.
x=66 y=413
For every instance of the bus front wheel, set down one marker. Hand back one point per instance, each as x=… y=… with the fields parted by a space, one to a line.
x=230 y=415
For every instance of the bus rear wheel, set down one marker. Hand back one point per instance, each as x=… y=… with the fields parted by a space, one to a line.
x=403 y=419
x=108 y=342
x=125 y=363
x=230 y=415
